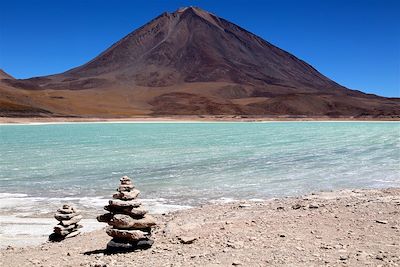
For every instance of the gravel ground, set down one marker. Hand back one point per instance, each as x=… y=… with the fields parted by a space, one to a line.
x=348 y=227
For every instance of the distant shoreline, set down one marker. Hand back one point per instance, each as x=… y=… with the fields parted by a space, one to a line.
x=186 y=119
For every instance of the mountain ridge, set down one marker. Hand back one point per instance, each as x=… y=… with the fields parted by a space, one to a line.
x=193 y=62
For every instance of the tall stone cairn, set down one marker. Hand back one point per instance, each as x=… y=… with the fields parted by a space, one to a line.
x=129 y=224
x=68 y=225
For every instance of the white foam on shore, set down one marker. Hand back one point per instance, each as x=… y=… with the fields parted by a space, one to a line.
x=159 y=206
x=26 y=220
x=25 y=231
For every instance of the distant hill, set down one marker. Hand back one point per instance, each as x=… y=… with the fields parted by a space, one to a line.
x=189 y=62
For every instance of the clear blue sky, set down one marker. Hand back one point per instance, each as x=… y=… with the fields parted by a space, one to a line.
x=355 y=43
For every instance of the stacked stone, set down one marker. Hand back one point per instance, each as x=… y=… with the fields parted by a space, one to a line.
x=129 y=224
x=68 y=226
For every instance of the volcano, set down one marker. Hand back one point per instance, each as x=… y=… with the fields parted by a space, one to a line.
x=189 y=62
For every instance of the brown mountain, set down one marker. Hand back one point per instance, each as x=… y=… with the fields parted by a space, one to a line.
x=189 y=62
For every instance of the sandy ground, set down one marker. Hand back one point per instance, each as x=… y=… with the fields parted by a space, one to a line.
x=11 y=120
x=349 y=227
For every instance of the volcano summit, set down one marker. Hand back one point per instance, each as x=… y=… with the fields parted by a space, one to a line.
x=189 y=62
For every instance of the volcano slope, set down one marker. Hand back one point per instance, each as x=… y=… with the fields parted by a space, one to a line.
x=189 y=62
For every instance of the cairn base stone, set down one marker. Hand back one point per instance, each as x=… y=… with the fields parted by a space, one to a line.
x=118 y=245
x=127 y=235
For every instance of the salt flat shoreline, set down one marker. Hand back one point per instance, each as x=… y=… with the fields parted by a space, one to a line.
x=346 y=227
x=186 y=119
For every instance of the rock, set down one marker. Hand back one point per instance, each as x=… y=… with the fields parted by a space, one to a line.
x=66 y=231
x=187 y=239
x=65 y=216
x=125 y=180
x=236 y=263
x=244 y=205
x=105 y=217
x=127 y=195
x=133 y=212
x=344 y=257
x=72 y=234
x=381 y=221
x=313 y=206
x=235 y=245
x=123 y=221
x=124 y=204
x=66 y=210
x=296 y=206
x=128 y=235
x=125 y=188
x=117 y=245
x=74 y=220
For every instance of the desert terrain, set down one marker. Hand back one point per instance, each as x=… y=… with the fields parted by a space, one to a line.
x=339 y=228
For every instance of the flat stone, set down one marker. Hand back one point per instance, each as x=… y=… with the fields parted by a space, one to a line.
x=116 y=245
x=72 y=234
x=125 y=187
x=187 y=239
x=313 y=206
x=127 y=195
x=128 y=235
x=74 y=220
x=66 y=211
x=60 y=228
x=381 y=221
x=67 y=206
x=296 y=206
x=123 y=203
x=122 y=221
x=66 y=216
x=125 y=180
x=105 y=217
x=133 y=212
x=68 y=231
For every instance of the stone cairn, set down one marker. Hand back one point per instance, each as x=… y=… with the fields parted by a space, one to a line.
x=68 y=226
x=129 y=224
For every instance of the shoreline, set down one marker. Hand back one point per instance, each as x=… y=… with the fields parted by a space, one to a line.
x=357 y=227
x=183 y=119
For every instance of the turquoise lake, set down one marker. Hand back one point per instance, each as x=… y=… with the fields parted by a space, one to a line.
x=185 y=164
x=190 y=163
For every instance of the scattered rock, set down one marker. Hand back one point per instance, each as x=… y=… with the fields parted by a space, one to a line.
x=187 y=239
x=381 y=221
x=344 y=257
x=296 y=206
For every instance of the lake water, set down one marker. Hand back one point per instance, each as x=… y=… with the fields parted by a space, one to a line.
x=176 y=165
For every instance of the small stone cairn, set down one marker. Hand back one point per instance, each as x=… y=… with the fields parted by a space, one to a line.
x=68 y=226
x=129 y=224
